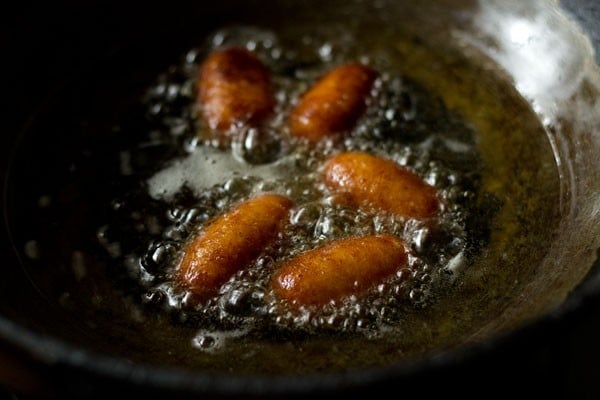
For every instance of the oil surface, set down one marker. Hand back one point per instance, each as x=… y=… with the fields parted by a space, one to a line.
x=469 y=135
x=208 y=179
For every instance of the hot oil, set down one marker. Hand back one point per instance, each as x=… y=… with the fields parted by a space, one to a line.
x=143 y=186
x=403 y=122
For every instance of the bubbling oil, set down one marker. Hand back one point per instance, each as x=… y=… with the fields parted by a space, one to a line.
x=197 y=178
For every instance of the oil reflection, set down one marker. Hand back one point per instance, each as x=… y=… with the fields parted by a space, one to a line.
x=546 y=55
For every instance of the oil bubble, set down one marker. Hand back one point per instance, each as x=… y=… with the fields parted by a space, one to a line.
x=257 y=146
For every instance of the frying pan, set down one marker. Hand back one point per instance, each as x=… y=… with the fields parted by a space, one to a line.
x=60 y=54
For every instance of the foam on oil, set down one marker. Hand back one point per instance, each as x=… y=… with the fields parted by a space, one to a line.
x=200 y=179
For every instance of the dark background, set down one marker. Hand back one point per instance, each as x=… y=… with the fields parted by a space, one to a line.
x=43 y=44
